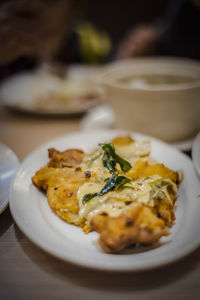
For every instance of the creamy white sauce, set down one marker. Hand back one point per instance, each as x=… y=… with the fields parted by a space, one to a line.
x=118 y=201
x=134 y=150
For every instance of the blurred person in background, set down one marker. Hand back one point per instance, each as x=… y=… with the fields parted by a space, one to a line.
x=48 y=31
x=81 y=31
x=175 y=34
x=33 y=31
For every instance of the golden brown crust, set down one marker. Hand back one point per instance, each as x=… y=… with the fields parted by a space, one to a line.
x=144 y=169
x=47 y=177
x=165 y=211
x=62 y=177
x=68 y=158
x=61 y=186
x=138 y=225
x=62 y=199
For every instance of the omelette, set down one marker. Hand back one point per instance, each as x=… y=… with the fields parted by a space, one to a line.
x=117 y=190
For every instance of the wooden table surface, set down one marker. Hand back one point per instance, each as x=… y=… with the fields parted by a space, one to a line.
x=27 y=272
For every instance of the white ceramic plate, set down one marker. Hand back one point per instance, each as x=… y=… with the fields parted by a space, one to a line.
x=31 y=212
x=8 y=167
x=22 y=91
x=196 y=153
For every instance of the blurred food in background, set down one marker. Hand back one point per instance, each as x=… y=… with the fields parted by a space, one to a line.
x=95 y=32
x=51 y=89
x=60 y=33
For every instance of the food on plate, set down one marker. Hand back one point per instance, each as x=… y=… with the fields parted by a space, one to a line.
x=117 y=190
x=138 y=225
x=44 y=91
x=68 y=93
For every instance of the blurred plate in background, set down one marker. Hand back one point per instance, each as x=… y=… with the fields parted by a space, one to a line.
x=47 y=91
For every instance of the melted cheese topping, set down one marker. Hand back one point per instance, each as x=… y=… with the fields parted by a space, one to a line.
x=93 y=163
x=116 y=202
x=133 y=150
x=143 y=190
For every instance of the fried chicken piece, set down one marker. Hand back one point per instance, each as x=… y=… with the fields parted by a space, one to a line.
x=61 y=186
x=62 y=199
x=138 y=225
x=144 y=169
x=163 y=206
x=165 y=210
x=61 y=179
x=47 y=177
x=68 y=158
x=63 y=166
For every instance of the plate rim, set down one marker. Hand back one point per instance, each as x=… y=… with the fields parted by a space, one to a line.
x=182 y=253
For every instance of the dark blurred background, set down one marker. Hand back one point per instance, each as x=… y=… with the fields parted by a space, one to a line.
x=117 y=17
x=83 y=31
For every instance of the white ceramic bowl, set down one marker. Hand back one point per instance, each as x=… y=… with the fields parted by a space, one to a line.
x=170 y=112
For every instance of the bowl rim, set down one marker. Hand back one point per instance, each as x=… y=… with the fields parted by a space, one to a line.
x=126 y=64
